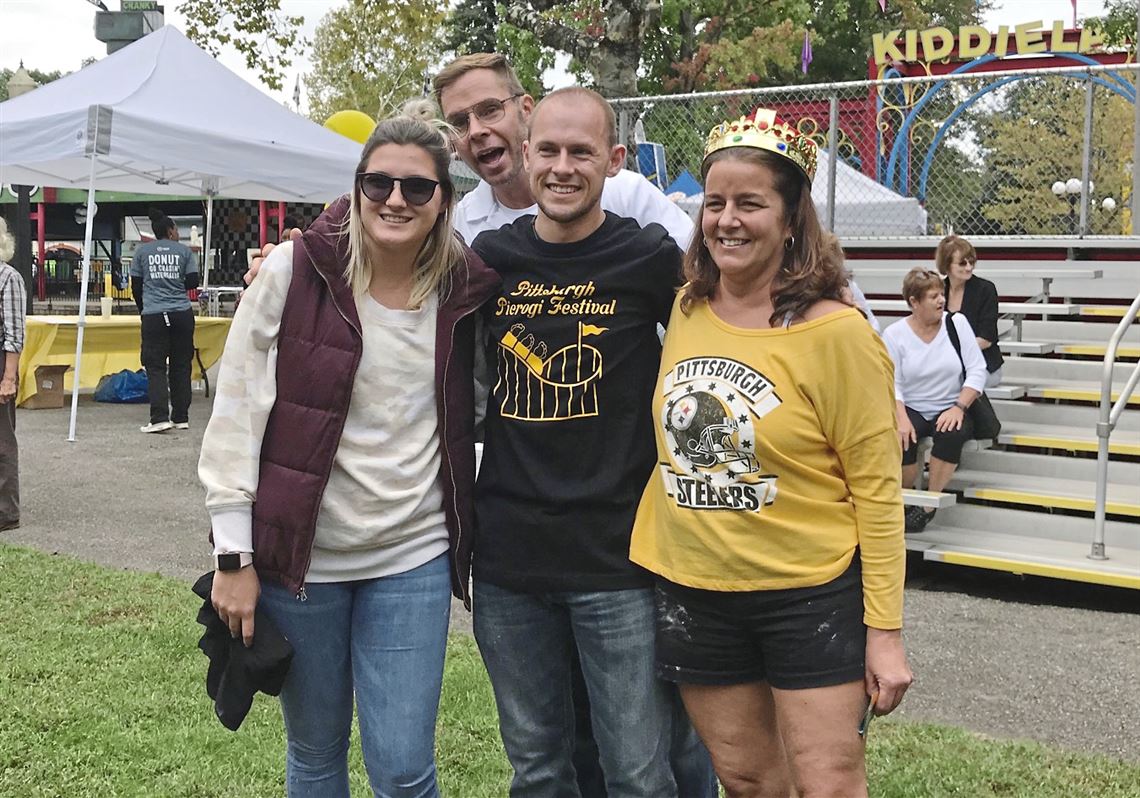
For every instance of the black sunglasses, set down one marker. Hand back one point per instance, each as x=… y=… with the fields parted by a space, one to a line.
x=378 y=186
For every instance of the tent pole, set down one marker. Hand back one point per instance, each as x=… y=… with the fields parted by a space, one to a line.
x=82 y=322
x=209 y=237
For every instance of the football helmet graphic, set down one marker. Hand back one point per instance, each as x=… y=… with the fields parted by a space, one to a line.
x=708 y=434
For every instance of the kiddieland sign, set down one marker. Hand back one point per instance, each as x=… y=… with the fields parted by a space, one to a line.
x=973 y=42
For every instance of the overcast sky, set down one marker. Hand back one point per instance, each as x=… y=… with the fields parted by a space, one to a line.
x=59 y=34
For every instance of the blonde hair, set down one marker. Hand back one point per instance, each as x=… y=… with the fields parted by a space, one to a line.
x=496 y=62
x=812 y=265
x=918 y=281
x=421 y=108
x=442 y=251
x=7 y=242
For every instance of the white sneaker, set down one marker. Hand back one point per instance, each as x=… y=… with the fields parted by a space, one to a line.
x=158 y=426
x=182 y=425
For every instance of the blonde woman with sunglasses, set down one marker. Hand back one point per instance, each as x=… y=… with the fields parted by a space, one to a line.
x=339 y=463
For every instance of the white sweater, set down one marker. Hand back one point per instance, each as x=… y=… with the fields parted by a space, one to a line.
x=382 y=510
x=928 y=376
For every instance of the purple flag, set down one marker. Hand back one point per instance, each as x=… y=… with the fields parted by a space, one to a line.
x=805 y=54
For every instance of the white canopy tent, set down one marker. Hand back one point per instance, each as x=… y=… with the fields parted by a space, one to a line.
x=863 y=207
x=161 y=116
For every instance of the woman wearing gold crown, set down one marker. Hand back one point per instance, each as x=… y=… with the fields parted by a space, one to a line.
x=774 y=523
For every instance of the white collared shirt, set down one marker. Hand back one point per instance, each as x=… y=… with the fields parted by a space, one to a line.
x=626 y=194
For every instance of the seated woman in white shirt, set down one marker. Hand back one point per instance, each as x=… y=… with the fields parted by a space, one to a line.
x=931 y=395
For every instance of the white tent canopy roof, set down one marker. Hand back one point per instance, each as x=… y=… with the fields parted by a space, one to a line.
x=863 y=207
x=165 y=118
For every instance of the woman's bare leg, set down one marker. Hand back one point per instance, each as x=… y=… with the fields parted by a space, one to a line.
x=819 y=727
x=738 y=725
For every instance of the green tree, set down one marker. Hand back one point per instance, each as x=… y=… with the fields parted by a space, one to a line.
x=470 y=27
x=845 y=29
x=35 y=74
x=477 y=26
x=1118 y=22
x=372 y=55
x=604 y=37
x=1050 y=113
x=733 y=44
x=266 y=38
x=621 y=47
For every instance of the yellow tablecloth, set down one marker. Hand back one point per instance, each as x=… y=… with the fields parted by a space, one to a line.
x=109 y=346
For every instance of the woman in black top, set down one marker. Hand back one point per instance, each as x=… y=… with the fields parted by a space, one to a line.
x=974 y=297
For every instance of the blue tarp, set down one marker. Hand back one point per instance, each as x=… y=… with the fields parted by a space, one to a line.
x=124 y=387
x=685 y=183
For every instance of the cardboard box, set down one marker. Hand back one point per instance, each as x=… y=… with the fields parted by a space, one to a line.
x=49 y=388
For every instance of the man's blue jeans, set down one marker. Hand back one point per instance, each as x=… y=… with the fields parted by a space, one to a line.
x=526 y=642
x=383 y=639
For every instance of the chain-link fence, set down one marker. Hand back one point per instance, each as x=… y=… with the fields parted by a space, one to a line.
x=1011 y=153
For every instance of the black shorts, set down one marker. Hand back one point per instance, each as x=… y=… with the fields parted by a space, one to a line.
x=947 y=445
x=793 y=639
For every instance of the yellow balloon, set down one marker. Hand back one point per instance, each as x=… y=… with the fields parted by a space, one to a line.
x=355 y=125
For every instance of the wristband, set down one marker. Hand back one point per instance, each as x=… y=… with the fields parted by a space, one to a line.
x=960 y=406
x=232 y=561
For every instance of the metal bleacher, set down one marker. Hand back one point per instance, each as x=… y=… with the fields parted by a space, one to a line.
x=1027 y=503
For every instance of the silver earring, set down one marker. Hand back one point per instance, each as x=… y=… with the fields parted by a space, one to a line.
x=790 y=243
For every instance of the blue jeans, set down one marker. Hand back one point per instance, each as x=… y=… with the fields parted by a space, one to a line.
x=527 y=641
x=384 y=640
x=692 y=765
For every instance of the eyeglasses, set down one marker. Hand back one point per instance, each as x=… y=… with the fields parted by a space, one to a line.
x=487 y=112
x=378 y=186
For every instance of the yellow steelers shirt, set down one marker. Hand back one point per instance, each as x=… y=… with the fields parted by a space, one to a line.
x=777 y=456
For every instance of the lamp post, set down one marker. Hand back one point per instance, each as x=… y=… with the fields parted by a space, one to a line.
x=1108 y=208
x=1070 y=190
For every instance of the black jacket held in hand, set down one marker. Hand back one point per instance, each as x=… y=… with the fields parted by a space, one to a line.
x=237 y=672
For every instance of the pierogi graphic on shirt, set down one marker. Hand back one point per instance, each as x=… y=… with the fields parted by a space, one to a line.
x=708 y=418
x=535 y=385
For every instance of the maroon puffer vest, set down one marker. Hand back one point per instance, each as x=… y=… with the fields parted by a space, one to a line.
x=319 y=350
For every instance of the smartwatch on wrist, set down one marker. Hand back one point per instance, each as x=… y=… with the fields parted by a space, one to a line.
x=232 y=561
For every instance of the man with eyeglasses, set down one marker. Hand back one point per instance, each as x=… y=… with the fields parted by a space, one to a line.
x=482 y=98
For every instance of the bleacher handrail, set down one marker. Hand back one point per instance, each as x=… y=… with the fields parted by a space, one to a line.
x=1106 y=423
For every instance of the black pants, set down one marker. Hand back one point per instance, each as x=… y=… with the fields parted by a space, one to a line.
x=168 y=337
x=9 y=465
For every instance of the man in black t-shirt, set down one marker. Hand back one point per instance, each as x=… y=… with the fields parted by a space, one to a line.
x=568 y=449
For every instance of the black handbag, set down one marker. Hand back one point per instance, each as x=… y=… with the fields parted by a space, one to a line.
x=986 y=423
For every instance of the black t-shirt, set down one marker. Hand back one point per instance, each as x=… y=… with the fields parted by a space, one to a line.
x=569 y=434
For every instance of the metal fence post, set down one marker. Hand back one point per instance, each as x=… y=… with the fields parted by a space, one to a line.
x=832 y=158
x=1136 y=131
x=1086 y=159
x=624 y=134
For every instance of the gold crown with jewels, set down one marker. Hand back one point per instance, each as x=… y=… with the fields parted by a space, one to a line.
x=764 y=131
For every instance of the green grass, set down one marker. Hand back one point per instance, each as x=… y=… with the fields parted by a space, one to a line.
x=102 y=694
